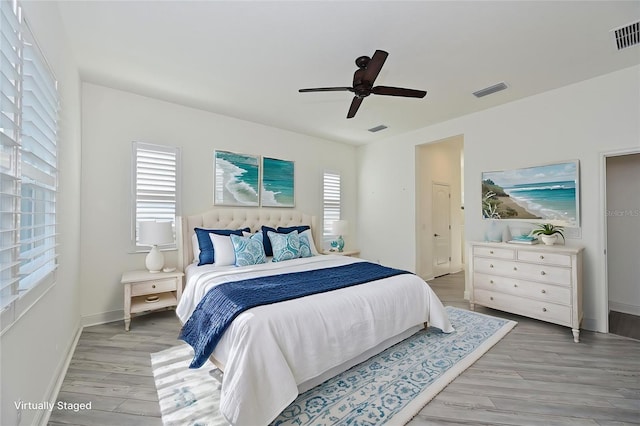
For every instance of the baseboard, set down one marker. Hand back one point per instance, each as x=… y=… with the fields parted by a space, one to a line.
x=102 y=318
x=56 y=383
x=624 y=308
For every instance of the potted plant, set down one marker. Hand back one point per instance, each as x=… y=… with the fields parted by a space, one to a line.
x=548 y=232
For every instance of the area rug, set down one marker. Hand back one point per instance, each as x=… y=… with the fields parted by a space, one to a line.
x=391 y=387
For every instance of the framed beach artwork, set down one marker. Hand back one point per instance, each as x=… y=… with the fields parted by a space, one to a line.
x=235 y=179
x=540 y=194
x=277 y=189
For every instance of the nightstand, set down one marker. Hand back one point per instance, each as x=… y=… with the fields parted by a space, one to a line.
x=352 y=253
x=145 y=291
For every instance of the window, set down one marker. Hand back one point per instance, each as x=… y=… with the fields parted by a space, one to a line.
x=28 y=166
x=155 y=185
x=330 y=203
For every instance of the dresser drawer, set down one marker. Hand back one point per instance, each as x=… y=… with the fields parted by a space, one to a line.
x=544 y=258
x=523 y=288
x=150 y=287
x=521 y=270
x=550 y=312
x=493 y=252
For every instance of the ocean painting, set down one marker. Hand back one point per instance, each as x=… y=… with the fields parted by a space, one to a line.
x=277 y=183
x=548 y=193
x=235 y=180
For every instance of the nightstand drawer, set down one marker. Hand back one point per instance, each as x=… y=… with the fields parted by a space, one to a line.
x=151 y=287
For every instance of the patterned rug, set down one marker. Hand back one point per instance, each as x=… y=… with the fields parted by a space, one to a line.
x=391 y=387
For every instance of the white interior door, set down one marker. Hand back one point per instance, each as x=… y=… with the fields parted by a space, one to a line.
x=441 y=225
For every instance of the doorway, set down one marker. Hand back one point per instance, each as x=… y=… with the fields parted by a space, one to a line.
x=441 y=224
x=622 y=227
x=439 y=214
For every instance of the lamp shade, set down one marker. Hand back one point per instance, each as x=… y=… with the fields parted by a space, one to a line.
x=339 y=227
x=154 y=233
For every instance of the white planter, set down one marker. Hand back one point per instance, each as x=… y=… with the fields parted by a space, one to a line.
x=549 y=239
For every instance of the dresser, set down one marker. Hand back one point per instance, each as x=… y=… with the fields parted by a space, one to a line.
x=536 y=281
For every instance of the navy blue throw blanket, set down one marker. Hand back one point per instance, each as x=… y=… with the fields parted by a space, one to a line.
x=223 y=303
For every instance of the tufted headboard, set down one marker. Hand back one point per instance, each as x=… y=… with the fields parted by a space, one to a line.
x=235 y=218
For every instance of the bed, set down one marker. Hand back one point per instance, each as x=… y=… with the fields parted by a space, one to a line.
x=271 y=353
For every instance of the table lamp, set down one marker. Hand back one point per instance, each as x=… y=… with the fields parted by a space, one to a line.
x=155 y=234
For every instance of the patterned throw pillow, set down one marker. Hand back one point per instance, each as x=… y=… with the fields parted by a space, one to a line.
x=285 y=246
x=248 y=250
x=305 y=246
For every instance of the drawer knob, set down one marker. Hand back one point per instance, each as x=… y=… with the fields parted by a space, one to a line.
x=153 y=286
x=491 y=265
x=544 y=291
x=515 y=268
x=544 y=309
x=543 y=273
x=515 y=285
x=541 y=257
x=490 y=251
x=491 y=297
x=491 y=281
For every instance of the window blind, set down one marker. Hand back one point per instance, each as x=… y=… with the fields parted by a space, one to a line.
x=330 y=203
x=29 y=103
x=10 y=104
x=155 y=184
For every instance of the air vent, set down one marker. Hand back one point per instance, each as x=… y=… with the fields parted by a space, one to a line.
x=377 y=128
x=489 y=90
x=627 y=36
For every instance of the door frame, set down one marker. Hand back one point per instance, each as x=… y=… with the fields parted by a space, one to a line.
x=604 y=295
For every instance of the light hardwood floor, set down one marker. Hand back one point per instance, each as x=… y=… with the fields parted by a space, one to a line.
x=536 y=375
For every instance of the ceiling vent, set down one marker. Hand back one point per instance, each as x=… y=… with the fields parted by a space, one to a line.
x=627 y=36
x=489 y=90
x=377 y=128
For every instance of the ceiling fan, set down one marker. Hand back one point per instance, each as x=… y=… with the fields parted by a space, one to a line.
x=363 y=78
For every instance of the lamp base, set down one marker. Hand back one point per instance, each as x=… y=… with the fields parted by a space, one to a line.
x=154 y=260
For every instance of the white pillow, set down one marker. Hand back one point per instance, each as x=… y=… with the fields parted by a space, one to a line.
x=196 y=248
x=314 y=249
x=223 y=250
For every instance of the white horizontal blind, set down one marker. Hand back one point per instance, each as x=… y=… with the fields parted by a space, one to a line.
x=330 y=203
x=39 y=171
x=29 y=103
x=155 y=184
x=10 y=104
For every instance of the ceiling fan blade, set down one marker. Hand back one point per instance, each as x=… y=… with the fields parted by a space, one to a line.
x=355 y=104
x=327 y=89
x=374 y=66
x=398 y=91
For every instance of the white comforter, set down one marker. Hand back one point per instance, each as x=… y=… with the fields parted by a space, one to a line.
x=269 y=350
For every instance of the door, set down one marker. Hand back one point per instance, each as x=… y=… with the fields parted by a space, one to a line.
x=441 y=225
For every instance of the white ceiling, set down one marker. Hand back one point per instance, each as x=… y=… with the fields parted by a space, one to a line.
x=247 y=59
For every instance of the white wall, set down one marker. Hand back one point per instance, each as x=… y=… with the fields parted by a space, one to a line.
x=112 y=119
x=623 y=233
x=573 y=122
x=33 y=352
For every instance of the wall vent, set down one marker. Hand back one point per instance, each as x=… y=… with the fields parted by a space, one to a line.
x=627 y=36
x=489 y=90
x=377 y=128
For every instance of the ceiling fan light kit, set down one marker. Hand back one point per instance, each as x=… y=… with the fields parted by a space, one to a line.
x=363 y=79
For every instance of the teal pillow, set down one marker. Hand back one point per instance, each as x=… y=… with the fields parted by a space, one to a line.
x=248 y=250
x=285 y=246
x=305 y=246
